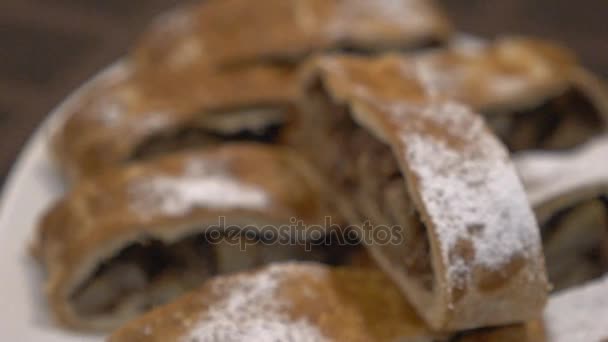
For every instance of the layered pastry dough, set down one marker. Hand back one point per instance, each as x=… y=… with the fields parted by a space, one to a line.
x=131 y=239
x=173 y=93
x=431 y=172
x=534 y=94
x=569 y=191
x=285 y=302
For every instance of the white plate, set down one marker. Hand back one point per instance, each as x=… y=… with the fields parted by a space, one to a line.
x=33 y=184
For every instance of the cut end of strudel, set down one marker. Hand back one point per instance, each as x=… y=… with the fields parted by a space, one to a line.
x=569 y=192
x=285 y=302
x=171 y=94
x=133 y=238
x=431 y=172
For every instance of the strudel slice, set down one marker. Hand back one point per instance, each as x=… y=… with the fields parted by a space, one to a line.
x=285 y=302
x=533 y=93
x=429 y=174
x=122 y=116
x=130 y=239
x=232 y=32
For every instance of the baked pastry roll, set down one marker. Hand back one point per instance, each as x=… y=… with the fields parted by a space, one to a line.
x=285 y=302
x=125 y=115
x=574 y=315
x=233 y=32
x=172 y=93
x=534 y=94
x=431 y=175
x=132 y=238
x=569 y=191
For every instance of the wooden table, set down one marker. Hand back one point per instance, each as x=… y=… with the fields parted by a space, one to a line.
x=49 y=47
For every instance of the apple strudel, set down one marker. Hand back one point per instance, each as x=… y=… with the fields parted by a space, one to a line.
x=132 y=238
x=533 y=93
x=432 y=173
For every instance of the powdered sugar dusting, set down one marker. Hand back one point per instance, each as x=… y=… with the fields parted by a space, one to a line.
x=201 y=186
x=548 y=175
x=471 y=191
x=579 y=314
x=250 y=310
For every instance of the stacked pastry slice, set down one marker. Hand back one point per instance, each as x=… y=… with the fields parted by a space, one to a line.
x=239 y=31
x=127 y=240
x=431 y=169
x=122 y=117
x=310 y=302
x=569 y=191
x=223 y=71
x=286 y=302
x=533 y=93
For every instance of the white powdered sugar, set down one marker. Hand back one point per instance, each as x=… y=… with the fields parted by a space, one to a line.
x=548 y=175
x=471 y=192
x=579 y=314
x=198 y=187
x=250 y=310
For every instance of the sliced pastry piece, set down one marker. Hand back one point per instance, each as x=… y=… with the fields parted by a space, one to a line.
x=123 y=115
x=132 y=238
x=574 y=315
x=170 y=93
x=569 y=191
x=285 y=302
x=534 y=94
x=432 y=176
x=229 y=32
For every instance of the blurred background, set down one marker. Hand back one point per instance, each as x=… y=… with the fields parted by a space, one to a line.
x=49 y=47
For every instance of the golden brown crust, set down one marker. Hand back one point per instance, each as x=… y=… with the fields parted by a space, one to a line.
x=513 y=76
x=508 y=74
x=115 y=114
x=167 y=199
x=485 y=247
x=295 y=302
x=290 y=30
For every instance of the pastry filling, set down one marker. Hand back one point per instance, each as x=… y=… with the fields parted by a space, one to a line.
x=150 y=273
x=366 y=173
x=564 y=122
x=427 y=43
x=576 y=243
x=258 y=124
